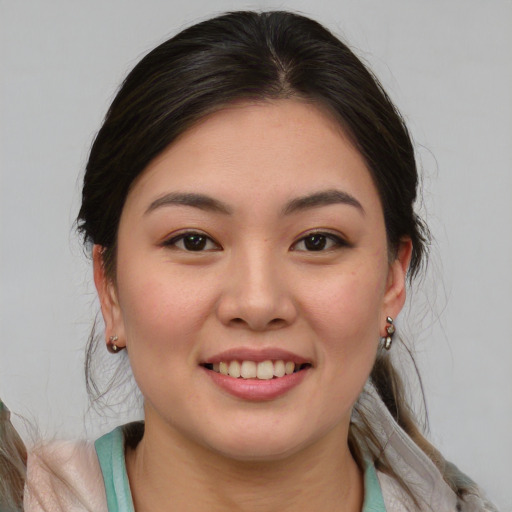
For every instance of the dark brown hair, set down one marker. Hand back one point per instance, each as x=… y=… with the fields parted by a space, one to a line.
x=247 y=56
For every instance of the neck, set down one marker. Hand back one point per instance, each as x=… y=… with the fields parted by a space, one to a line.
x=168 y=468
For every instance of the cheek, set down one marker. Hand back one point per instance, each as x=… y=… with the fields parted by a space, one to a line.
x=163 y=317
x=345 y=312
x=162 y=309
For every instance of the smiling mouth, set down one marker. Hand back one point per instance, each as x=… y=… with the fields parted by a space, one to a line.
x=264 y=370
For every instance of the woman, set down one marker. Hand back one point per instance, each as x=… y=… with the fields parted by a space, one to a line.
x=249 y=199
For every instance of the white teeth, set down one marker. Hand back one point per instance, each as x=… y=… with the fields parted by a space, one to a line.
x=265 y=370
x=234 y=369
x=223 y=368
x=279 y=369
x=248 y=370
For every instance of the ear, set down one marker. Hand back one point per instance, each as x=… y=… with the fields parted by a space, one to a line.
x=107 y=295
x=394 y=297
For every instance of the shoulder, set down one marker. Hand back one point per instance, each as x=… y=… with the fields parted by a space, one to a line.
x=397 y=500
x=414 y=468
x=64 y=476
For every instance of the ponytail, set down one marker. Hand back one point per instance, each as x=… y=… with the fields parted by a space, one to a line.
x=13 y=464
x=389 y=385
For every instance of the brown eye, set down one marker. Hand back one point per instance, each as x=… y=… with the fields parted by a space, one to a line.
x=192 y=242
x=316 y=242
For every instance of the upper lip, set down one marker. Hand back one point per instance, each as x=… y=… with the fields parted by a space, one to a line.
x=256 y=355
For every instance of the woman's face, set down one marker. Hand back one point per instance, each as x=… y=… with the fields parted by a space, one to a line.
x=255 y=243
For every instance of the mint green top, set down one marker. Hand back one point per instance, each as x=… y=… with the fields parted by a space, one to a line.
x=110 y=449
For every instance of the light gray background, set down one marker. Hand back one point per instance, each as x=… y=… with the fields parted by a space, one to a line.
x=448 y=66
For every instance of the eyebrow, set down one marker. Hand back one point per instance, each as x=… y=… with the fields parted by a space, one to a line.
x=322 y=198
x=201 y=201
x=207 y=203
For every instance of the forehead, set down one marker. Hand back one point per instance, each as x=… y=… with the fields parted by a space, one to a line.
x=249 y=151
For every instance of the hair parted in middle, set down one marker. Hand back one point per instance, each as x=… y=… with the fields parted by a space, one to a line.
x=247 y=56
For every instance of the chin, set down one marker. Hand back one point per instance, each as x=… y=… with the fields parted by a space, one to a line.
x=262 y=444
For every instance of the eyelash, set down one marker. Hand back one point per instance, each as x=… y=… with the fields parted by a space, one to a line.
x=323 y=239
x=189 y=235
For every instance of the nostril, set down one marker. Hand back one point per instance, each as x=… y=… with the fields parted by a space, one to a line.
x=277 y=322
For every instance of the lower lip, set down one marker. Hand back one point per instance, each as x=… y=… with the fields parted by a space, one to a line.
x=255 y=389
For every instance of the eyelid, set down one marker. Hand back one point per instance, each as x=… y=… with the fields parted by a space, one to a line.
x=339 y=239
x=172 y=240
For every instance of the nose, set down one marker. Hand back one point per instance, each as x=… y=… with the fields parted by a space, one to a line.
x=256 y=294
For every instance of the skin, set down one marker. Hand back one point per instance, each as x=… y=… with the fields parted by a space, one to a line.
x=255 y=285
